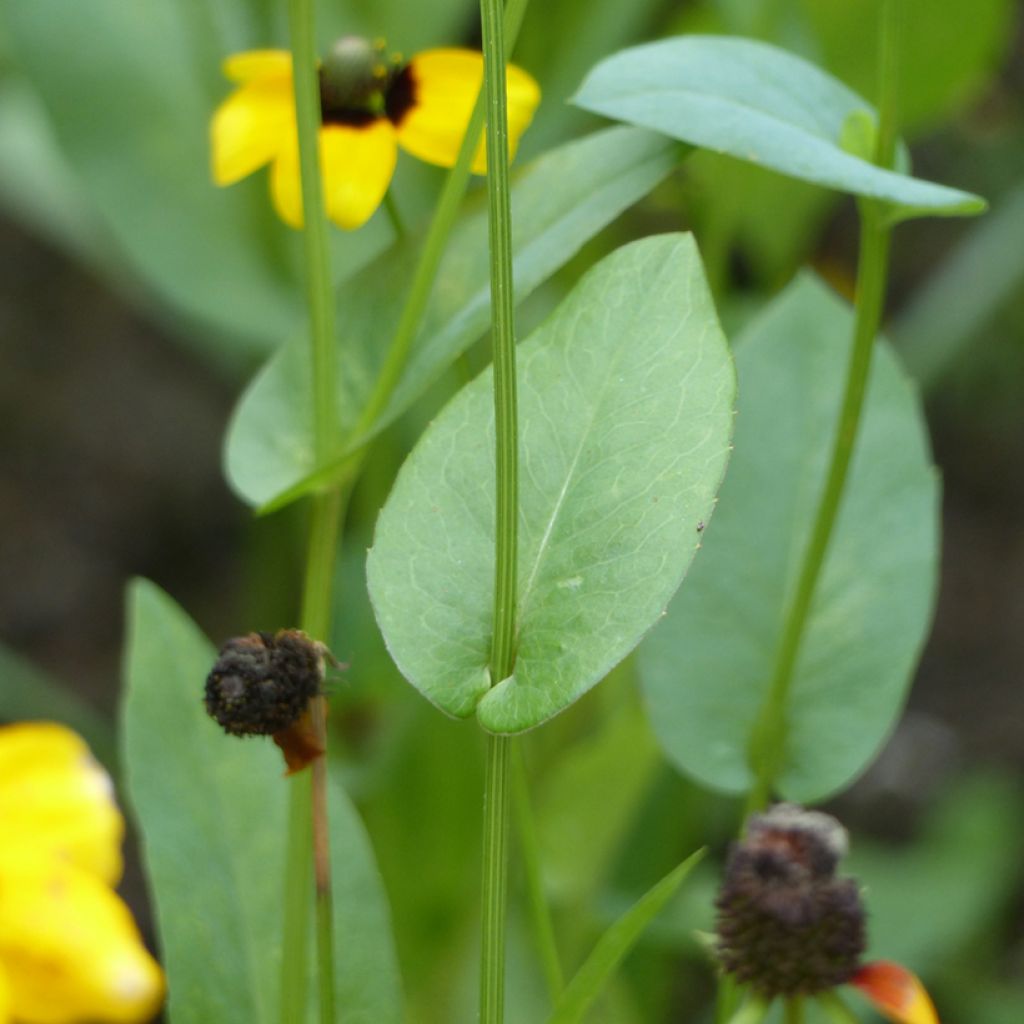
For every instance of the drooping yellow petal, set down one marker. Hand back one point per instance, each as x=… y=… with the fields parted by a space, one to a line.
x=5 y=997
x=356 y=165
x=70 y=948
x=444 y=86
x=252 y=64
x=55 y=800
x=251 y=127
x=896 y=993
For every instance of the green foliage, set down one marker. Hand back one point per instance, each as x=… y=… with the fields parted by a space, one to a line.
x=110 y=72
x=625 y=411
x=27 y=693
x=750 y=101
x=559 y=202
x=588 y=982
x=212 y=814
x=706 y=669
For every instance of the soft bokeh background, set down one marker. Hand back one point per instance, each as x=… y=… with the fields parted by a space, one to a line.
x=136 y=300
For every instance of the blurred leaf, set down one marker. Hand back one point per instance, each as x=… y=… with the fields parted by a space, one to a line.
x=579 y=836
x=36 y=186
x=706 y=669
x=930 y=902
x=588 y=982
x=949 y=49
x=625 y=410
x=559 y=202
x=28 y=693
x=964 y=293
x=594 y=29
x=752 y=101
x=129 y=99
x=212 y=814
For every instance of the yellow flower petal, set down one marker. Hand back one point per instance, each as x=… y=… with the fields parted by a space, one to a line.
x=445 y=84
x=356 y=165
x=55 y=800
x=896 y=993
x=252 y=64
x=251 y=127
x=5 y=997
x=71 y=949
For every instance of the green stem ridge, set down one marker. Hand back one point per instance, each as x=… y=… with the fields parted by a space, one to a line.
x=319 y=291
x=836 y=1009
x=540 y=914
x=496 y=803
x=767 y=748
x=445 y=214
x=794 y=1010
x=495 y=887
x=308 y=812
x=753 y=1011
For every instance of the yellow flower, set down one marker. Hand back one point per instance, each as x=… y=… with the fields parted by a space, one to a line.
x=69 y=950
x=369 y=107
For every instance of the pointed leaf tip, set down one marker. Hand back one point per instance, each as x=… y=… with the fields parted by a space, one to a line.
x=896 y=993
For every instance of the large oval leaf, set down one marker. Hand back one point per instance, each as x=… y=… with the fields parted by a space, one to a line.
x=706 y=669
x=758 y=103
x=212 y=814
x=558 y=203
x=625 y=409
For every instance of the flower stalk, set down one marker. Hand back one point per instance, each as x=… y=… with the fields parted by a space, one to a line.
x=497 y=778
x=768 y=741
x=308 y=812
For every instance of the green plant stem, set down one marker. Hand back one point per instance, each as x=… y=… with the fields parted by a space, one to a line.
x=319 y=292
x=495 y=844
x=794 y=1011
x=753 y=1011
x=391 y=207
x=494 y=882
x=308 y=812
x=837 y=1010
x=441 y=224
x=769 y=736
x=540 y=914
x=298 y=887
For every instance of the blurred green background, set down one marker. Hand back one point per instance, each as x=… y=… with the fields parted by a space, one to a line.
x=136 y=300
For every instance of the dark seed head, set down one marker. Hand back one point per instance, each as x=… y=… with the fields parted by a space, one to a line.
x=355 y=75
x=262 y=683
x=786 y=924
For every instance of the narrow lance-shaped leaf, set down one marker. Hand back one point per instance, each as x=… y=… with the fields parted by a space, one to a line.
x=625 y=410
x=757 y=103
x=707 y=667
x=559 y=202
x=615 y=944
x=213 y=820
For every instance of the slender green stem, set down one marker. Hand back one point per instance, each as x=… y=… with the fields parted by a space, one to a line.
x=394 y=215
x=768 y=741
x=837 y=1010
x=495 y=881
x=445 y=213
x=753 y=1011
x=319 y=292
x=495 y=888
x=540 y=914
x=298 y=887
x=309 y=811
x=794 y=1010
